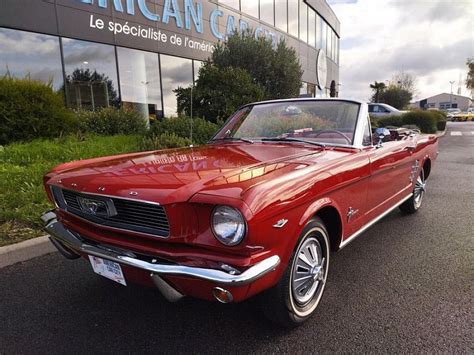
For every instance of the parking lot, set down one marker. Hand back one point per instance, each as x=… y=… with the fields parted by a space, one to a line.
x=406 y=285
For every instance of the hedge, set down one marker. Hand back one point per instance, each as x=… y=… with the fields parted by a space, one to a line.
x=426 y=121
x=111 y=121
x=30 y=109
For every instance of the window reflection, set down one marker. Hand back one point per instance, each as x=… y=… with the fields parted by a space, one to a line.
x=303 y=21
x=91 y=75
x=311 y=27
x=293 y=17
x=232 y=3
x=197 y=64
x=249 y=7
x=266 y=11
x=175 y=72
x=281 y=15
x=318 y=31
x=140 y=81
x=30 y=55
x=324 y=28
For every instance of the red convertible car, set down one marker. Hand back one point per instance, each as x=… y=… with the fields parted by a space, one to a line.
x=256 y=211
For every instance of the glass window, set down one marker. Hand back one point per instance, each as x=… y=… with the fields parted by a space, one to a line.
x=140 y=81
x=31 y=55
x=303 y=21
x=266 y=11
x=197 y=65
x=328 y=41
x=311 y=90
x=367 y=138
x=304 y=89
x=249 y=7
x=311 y=27
x=318 y=31
x=324 y=28
x=91 y=74
x=293 y=17
x=175 y=72
x=232 y=3
x=281 y=15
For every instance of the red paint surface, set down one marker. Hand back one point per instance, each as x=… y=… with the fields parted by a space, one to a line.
x=266 y=181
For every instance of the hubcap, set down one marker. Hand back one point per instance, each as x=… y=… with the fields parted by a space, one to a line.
x=420 y=187
x=308 y=272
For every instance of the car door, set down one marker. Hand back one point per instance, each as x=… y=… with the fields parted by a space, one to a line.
x=391 y=165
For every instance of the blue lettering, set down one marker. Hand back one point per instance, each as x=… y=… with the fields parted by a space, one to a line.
x=258 y=32
x=103 y=4
x=130 y=7
x=214 y=26
x=195 y=14
x=230 y=25
x=146 y=11
x=244 y=26
x=174 y=12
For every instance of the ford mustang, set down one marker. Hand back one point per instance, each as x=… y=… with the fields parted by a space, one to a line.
x=257 y=211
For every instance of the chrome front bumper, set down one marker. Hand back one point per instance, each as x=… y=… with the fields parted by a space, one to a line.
x=60 y=234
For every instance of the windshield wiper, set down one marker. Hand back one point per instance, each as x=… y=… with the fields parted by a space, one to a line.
x=282 y=139
x=233 y=139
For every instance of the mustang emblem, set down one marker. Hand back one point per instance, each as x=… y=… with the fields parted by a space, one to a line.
x=94 y=207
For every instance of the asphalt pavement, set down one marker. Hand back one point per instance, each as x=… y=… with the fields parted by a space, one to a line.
x=405 y=285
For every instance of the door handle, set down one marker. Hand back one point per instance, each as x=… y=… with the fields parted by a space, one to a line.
x=410 y=148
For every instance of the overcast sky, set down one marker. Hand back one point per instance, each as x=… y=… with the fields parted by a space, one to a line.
x=430 y=39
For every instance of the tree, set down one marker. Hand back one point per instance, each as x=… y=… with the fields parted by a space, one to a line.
x=396 y=96
x=218 y=92
x=378 y=88
x=276 y=69
x=470 y=74
x=405 y=81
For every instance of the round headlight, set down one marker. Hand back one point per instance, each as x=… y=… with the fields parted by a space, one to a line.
x=228 y=225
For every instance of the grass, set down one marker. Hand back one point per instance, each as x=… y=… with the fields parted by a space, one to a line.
x=22 y=166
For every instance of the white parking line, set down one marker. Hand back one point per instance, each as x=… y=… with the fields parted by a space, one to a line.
x=456 y=133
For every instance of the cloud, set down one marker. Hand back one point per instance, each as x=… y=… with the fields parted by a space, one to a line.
x=429 y=39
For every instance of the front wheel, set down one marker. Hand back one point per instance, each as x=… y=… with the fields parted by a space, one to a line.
x=297 y=295
x=413 y=204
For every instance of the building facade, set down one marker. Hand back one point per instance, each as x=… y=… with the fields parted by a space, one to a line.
x=136 y=52
x=444 y=101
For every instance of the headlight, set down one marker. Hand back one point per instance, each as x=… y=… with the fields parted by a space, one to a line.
x=228 y=225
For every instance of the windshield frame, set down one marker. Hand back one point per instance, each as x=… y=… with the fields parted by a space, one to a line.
x=363 y=111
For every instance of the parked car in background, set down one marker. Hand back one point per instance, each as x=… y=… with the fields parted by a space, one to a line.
x=379 y=110
x=450 y=112
x=255 y=211
x=463 y=116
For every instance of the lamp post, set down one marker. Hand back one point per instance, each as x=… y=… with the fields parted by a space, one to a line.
x=451 y=97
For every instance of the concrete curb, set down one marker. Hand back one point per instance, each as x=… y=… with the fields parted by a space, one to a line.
x=29 y=249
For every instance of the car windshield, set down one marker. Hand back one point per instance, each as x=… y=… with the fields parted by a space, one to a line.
x=329 y=122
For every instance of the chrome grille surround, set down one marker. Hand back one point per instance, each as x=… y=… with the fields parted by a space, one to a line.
x=131 y=215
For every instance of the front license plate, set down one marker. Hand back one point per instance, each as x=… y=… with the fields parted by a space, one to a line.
x=108 y=269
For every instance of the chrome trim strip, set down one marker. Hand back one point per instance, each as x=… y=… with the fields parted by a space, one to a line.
x=57 y=230
x=371 y=223
x=104 y=195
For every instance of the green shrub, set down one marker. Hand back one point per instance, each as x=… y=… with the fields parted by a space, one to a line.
x=425 y=120
x=30 y=109
x=111 y=121
x=374 y=122
x=181 y=126
x=441 y=125
x=162 y=141
x=386 y=121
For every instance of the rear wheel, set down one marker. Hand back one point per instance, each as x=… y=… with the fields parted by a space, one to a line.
x=297 y=295
x=413 y=204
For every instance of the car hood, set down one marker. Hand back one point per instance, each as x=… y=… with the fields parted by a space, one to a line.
x=172 y=176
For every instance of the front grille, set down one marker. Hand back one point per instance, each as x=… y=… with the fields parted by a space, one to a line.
x=137 y=216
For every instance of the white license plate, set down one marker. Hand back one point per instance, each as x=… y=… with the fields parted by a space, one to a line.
x=108 y=269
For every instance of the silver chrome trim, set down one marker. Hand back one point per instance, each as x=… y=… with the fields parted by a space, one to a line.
x=57 y=231
x=104 y=195
x=372 y=222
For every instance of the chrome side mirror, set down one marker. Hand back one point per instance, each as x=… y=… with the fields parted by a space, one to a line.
x=381 y=133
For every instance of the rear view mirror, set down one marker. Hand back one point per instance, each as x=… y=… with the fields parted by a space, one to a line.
x=381 y=133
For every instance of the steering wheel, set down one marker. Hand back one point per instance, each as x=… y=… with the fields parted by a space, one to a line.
x=333 y=131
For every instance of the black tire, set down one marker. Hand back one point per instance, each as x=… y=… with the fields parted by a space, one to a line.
x=413 y=204
x=280 y=304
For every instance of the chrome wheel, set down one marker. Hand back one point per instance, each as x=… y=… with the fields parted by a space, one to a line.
x=309 y=272
x=418 y=192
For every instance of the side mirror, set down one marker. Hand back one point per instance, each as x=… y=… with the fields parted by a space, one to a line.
x=381 y=133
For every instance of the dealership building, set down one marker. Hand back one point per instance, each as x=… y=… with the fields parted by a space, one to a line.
x=136 y=52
